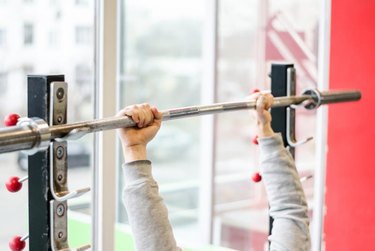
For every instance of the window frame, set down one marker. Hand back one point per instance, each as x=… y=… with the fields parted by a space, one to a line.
x=106 y=146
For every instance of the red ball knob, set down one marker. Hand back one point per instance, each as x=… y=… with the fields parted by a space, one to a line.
x=13 y=185
x=256 y=177
x=255 y=90
x=11 y=119
x=255 y=140
x=16 y=244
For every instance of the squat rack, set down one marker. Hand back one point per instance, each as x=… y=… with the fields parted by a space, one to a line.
x=44 y=135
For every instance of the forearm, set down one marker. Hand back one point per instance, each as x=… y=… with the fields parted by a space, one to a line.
x=287 y=201
x=134 y=153
x=147 y=213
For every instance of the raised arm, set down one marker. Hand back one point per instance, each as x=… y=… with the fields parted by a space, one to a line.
x=148 y=216
x=287 y=200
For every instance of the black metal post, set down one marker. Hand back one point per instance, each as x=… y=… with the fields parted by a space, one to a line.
x=38 y=88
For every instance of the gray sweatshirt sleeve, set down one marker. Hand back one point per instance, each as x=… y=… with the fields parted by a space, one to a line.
x=148 y=216
x=287 y=200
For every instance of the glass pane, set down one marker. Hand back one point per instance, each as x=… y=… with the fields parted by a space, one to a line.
x=161 y=64
x=46 y=44
x=252 y=34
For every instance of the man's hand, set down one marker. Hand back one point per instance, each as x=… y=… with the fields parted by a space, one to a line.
x=134 y=139
x=263 y=104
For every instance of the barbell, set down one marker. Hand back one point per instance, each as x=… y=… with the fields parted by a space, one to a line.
x=34 y=134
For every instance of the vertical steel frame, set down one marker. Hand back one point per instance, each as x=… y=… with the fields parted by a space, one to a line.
x=38 y=99
x=281 y=85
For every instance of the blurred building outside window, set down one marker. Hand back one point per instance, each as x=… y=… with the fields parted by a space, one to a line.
x=3 y=38
x=3 y=83
x=53 y=38
x=82 y=2
x=83 y=35
x=32 y=43
x=28 y=31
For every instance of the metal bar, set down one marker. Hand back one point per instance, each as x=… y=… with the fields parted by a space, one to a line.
x=327 y=97
x=21 y=138
x=17 y=138
x=177 y=113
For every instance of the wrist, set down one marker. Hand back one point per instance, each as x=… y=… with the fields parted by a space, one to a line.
x=134 y=152
x=265 y=131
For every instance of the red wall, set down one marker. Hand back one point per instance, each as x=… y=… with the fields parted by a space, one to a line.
x=350 y=184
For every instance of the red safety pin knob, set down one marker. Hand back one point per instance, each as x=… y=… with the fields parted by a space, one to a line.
x=11 y=119
x=14 y=184
x=17 y=243
x=256 y=177
x=255 y=140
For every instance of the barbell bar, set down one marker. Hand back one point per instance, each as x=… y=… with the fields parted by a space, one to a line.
x=35 y=135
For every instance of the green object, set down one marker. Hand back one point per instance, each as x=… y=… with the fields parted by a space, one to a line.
x=79 y=229
x=79 y=234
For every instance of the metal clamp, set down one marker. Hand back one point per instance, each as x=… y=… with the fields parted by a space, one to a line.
x=41 y=130
x=290 y=111
x=318 y=98
x=58 y=150
x=315 y=100
x=59 y=173
x=59 y=228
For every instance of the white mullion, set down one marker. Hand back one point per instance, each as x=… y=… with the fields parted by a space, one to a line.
x=322 y=124
x=104 y=173
x=208 y=95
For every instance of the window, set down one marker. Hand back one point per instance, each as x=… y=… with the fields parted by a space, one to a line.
x=3 y=83
x=28 y=34
x=83 y=81
x=53 y=38
x=22 y=59
x=245 y=53
x=82 y=2
x=2 y=37
x=28 y=69
x=83 y=35
x=83 y=75
x=161 y=64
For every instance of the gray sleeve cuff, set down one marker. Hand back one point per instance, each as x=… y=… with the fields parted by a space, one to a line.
x=136 y=170
x=270 y=145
